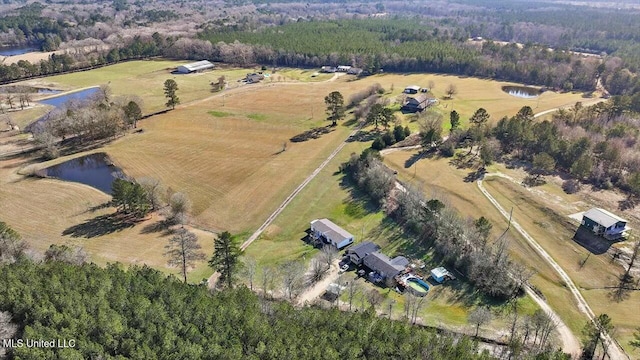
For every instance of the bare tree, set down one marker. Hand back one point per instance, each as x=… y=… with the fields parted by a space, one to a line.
x=431 y=84
x=267 y=278
x=292 y=273
x=479 y=316
x=153 y=189
x=626 y=281
x=329 y=254
x=10 y=98
x=249 y=269
x=390 y=304
x=375 y=298
x=451 y=90
x=63 y=253
x=183 y=250
x=7 y=330
x=179 y=207
x=352 y=290
x=318 y=270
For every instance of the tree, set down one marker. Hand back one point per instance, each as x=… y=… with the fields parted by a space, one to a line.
x=179 y=207
x=11 y=244
x=478 y=317
x=582 y=167
x=132 y=113
x=335 y=107
x=431 y=84
x=226 y=258
x=479 y=118
x=374 y=298
x=451 y=90
x=379 y=114
x=329 y=254
x=483 y=226
x=543 y=163
x=170 y=89
x=636 y=339
x=63 y=253
x=430 y=129
x=153 y=189
x=454 y=119
x=292 y=273
x=249 y=269
x=593 y=333
x=130 y=198
x=183 y=250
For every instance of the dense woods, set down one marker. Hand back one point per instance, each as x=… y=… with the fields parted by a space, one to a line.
x=142 y=314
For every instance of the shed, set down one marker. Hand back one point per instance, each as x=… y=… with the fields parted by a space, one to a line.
x=413 y=89
x=604 y=223
x=384 y=266
x=328 y=69
x=354 y=71
x=358 y=252
x=195 y=67
x=343 y=68
x=439 y=274
x=331 y=233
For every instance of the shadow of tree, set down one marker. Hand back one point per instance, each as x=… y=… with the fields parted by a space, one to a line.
x=627 y=204
x=101 y=225
x=475 y=175
x=363 y=136
x=163 y=226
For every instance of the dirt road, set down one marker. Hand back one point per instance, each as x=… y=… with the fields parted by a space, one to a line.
x=615 y=351
x=319 y=288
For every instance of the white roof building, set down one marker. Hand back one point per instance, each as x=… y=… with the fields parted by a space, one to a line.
x=195 y=67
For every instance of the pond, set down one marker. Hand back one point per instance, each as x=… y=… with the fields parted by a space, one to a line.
x=95 y=170
x=16 y=50
x=60 y=100
x=522 y=91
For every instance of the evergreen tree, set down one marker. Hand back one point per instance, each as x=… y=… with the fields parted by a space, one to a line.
x=454 y=119
x=226 y=258
x=335 y=107
x=170 y=89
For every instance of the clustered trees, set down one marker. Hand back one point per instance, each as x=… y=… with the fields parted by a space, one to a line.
x=142 y=313
x=12 y=246
x=130 y=198
x=461 y=244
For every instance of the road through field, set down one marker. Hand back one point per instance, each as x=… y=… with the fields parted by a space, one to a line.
x=615 y=351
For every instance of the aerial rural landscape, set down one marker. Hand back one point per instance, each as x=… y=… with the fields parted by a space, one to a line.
x=452 y=179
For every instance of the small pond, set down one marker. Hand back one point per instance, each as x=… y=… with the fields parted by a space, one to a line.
x=522 y=91
x=94 y=170
x=58 y=101
x=16 y=50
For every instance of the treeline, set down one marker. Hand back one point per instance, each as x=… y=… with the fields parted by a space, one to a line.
x=461 y=244
x=30 y=27
x=136 y=48
x=399 y=45
x=143 y=314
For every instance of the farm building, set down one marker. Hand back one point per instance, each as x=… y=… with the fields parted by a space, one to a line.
x=354 y=71
x=413 y=89
x=605 y=224
x=415 y=103
x=326 y=230
x=357 y=253
x=343 y=68
x=386 y=267
x=328 y=69
x=195 y=67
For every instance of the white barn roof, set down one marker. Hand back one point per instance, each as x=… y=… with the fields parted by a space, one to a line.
x=413 y=87
x=196 y=66
x=603 y=217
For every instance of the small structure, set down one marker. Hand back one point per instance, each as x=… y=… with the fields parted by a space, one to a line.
x=605 y=224
x=384 y=266
x=195 y=67
x=343 y=68
x=354 y=71
x=415 y=103
x=439 y=274
x=328 y=69
x=357 y=253
x=330 y=233
x=254 y=78
x=413 y=89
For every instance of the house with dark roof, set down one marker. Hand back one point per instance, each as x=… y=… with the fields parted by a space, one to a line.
x=358 y=252
x=330 y=233
x=415 y=103
x=603 y=223
x=384 y=266
x=413 y=89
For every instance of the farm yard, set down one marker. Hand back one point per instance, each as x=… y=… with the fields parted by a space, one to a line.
x=230 y=153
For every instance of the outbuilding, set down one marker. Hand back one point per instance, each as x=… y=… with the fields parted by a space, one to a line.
x=604 y=223
x=330 y=233
x=413 y=89
x=195 y=67
x=439 y=274
x=415 y=103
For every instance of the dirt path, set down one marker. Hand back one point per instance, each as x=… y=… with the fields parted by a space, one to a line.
x=317 y=289
x=615 y=351
x=584 y=103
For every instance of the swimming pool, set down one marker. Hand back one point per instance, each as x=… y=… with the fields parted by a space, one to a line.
x=418 y=286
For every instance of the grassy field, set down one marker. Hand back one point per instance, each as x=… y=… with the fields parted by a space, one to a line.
x=554 y=232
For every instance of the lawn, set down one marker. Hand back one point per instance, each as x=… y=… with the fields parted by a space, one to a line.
x=440 y=179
